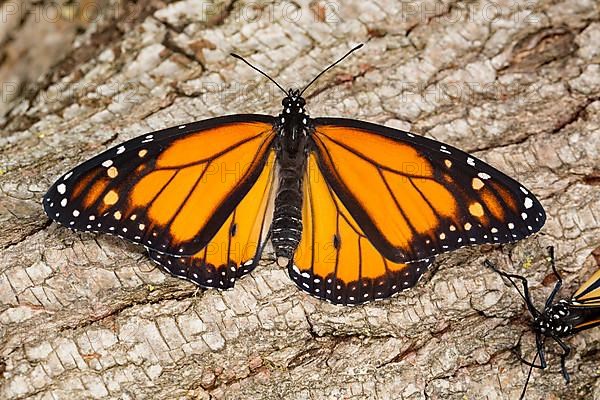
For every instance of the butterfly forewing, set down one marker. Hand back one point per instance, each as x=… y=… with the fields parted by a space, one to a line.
x=414 y=197
x=170 y=190
x=236 y=248
x=335 y=260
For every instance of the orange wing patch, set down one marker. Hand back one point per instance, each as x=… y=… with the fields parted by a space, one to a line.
x=204 y=146
x=414 y=197
x=335 y=260
x=236 y=248
x=94 y=191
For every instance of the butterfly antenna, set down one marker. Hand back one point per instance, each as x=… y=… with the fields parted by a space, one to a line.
x=331 y=66
x=259 y=71
x=528 y=376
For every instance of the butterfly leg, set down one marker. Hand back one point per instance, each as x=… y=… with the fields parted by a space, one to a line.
x=508 y=276
x=526 y=296
x=529 y=363
x=539 y=344
x=563 y=357
x=558 y=284
x=524 y=361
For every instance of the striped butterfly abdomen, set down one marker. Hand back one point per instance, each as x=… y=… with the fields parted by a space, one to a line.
x=286 y=230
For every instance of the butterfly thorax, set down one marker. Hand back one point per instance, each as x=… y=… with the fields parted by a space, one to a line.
x=555 y=321
x=293 y=128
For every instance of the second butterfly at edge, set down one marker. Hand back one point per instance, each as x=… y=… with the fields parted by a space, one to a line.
x=557 y=320
x=356 y=211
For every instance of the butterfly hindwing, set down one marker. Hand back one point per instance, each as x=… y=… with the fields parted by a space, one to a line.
x=415 y=197
x=170 y=190
x=236 y=248
x=335 y=260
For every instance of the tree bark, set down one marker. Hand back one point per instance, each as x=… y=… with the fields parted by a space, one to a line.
x=89 y=316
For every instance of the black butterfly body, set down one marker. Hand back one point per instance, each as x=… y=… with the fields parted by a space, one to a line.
x=294 y=129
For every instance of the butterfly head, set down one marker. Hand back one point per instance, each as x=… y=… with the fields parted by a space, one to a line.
x=293 y=103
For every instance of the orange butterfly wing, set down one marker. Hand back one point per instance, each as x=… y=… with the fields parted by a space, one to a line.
x=586 y=301
x=236 y=248
x=589 y=292
x=170 y=190
x=335 y=260
x=414 y=197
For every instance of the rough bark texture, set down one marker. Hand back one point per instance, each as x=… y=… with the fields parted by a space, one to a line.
x=88 y=316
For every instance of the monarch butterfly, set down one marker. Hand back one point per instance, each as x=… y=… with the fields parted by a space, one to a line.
x=561 y=319
x=355 y=211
